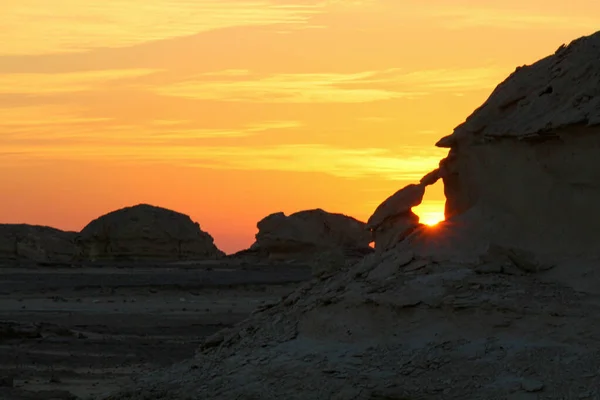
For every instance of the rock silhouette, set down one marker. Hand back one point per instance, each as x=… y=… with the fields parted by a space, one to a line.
x=394 y=220
x=523 y=169
x=145 y=232
x=36 y=244
x=307 y=233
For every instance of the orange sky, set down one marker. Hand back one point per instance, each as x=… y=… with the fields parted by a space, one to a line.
x=229 y=110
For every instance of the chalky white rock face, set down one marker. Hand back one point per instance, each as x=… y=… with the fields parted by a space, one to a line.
x=524 y=169
x=37 y=244
x=310 y=231
x=145 y=232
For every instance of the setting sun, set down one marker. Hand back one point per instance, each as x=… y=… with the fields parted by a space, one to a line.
x=430 y=213
x=432 y=219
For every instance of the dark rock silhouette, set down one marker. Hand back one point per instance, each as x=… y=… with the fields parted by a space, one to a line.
x=307 y=233
x=523 y=170
x=36 y=244
x=394 y=220
x=145 y=232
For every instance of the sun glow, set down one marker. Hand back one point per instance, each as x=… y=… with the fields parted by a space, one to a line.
x=430 y=212
x=432 y=219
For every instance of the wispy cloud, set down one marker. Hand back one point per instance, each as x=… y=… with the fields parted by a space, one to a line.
x=444 y=79
x=288 y=88
x=36 y=84
x=357 y=87
x=336 y=161
x=35 y=125
x=34 y=117
x=473 y=16
x=34 y=27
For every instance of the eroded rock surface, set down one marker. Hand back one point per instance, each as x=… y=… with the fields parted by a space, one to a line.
x=145 y=232
x=36 y=244
x=307 y=233
x=400 y=326
x=400 y=202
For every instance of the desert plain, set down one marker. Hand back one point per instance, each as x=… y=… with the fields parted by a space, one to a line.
x=79 y=332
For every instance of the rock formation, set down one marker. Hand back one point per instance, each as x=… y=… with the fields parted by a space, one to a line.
x=394 y=220
x=36 y=244
x=307 y=233
x=522 y=178
x=145 y=232
x=522 y=170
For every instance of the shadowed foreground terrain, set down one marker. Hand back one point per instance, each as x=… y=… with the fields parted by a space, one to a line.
x=85 y=331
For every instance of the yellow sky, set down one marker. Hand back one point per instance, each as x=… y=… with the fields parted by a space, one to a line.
x=229 y=110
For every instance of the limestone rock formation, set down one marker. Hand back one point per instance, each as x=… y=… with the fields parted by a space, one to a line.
x=522 y=178
x=523 y=169
x=307 y=233
x=36 y=244
x=145 y=232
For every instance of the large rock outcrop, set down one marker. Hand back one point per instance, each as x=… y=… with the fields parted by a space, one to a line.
x=307 y=233
x=36 y=244
x=524 y=169
x=144 y=233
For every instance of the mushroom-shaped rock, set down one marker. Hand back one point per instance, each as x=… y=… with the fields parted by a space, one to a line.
x=393 y=220
x=397 y=204
x=308 y=232
x=37 y=244
x=145 y=232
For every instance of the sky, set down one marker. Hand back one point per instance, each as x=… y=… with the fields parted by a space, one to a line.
x=230 y=110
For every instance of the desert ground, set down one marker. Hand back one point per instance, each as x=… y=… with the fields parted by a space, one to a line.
x=84 y=331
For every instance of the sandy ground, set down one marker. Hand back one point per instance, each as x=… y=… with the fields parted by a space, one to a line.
x=87 y=331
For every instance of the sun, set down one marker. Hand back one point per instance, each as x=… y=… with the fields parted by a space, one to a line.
x=432 y=218
x=430 y=213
